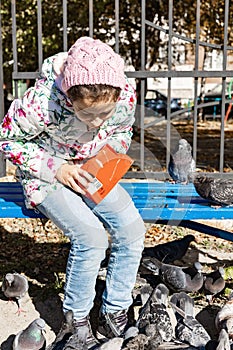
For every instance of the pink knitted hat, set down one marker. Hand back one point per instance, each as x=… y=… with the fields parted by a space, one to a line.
x=92 y=62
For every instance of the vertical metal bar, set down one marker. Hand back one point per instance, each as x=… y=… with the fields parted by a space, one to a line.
x=39 y=34
x=91 y=30
x=64 y=7
x=142 y=87
x=1 y=70
x=169 y=63
x=117 y=26
x=2 y=161
x=222 y=135
x=14 y=43
x=196 y=66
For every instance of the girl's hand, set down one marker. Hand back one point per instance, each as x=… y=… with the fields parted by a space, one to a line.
x=74 y=177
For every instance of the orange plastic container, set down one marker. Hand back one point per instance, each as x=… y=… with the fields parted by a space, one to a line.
x=107 y=167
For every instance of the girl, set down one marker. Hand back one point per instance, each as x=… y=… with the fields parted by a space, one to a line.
x=81 y=102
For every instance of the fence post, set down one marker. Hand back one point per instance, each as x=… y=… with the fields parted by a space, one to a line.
x=2 y=160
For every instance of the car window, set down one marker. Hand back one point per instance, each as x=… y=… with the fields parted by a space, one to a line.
x=218 y=89
x=155 y=95
x=161 y=96
x=151 y=94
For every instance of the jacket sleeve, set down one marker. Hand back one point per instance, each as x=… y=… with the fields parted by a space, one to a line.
x=119 y=127
x=23 y=122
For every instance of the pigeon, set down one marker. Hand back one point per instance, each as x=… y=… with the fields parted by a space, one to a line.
x=214 y=283
x=187 y=329
x=154 y=320
x=15 y=286
x=177 y=278
x=170 y=251
x=32 y=338
x=224 y=318
x=217 y=191
x=181 y=164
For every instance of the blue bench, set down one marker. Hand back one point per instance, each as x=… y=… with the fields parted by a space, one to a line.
x=157 y=202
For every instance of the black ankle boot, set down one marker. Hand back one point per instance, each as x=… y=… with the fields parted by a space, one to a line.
x=65 y=332
x=112 y=325
x=82 y=337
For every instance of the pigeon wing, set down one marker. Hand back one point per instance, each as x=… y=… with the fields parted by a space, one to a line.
x=20 y=285
x=199 y=336
x=173 y=276
x=222 y=191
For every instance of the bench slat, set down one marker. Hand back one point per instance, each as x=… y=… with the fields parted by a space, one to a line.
x=154 y=200
x=157 y=202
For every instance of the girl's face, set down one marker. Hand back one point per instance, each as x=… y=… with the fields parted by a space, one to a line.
x=93 y=114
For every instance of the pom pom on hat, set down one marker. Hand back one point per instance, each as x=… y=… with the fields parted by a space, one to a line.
x=92 y=62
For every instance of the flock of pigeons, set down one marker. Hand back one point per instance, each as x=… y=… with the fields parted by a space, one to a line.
x=153 y=326
x=182 y=167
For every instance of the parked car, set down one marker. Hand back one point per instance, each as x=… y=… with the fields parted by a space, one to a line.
x=157 y=102
x=215 y=95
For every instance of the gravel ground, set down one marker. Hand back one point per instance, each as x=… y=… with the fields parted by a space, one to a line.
x=37 y=249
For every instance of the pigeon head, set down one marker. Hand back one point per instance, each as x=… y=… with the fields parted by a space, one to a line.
x=198 y=266
x=199 y=178
x=9 y=278
x=183 y=144
x=231 y=296
x=40 y=323
x=189 y=238
x=221 y=271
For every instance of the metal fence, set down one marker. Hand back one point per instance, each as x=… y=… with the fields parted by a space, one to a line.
x=146 y=157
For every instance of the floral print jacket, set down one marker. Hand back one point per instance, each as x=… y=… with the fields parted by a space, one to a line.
x=40 y=132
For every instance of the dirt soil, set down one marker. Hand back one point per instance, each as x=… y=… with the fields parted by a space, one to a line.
x=38 y=249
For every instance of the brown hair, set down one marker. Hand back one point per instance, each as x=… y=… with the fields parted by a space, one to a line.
x=94 y=93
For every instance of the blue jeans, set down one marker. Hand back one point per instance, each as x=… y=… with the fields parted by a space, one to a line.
x=85 y=224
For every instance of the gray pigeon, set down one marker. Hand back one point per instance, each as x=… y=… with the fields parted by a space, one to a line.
x=187 y=329
x=224 y=318
x=214 y=283
x=170 y=251
x=15 y=286
x=154 y=320
x=176 y=278
x=181 y=164
x=32 y=338
x=217 y=191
